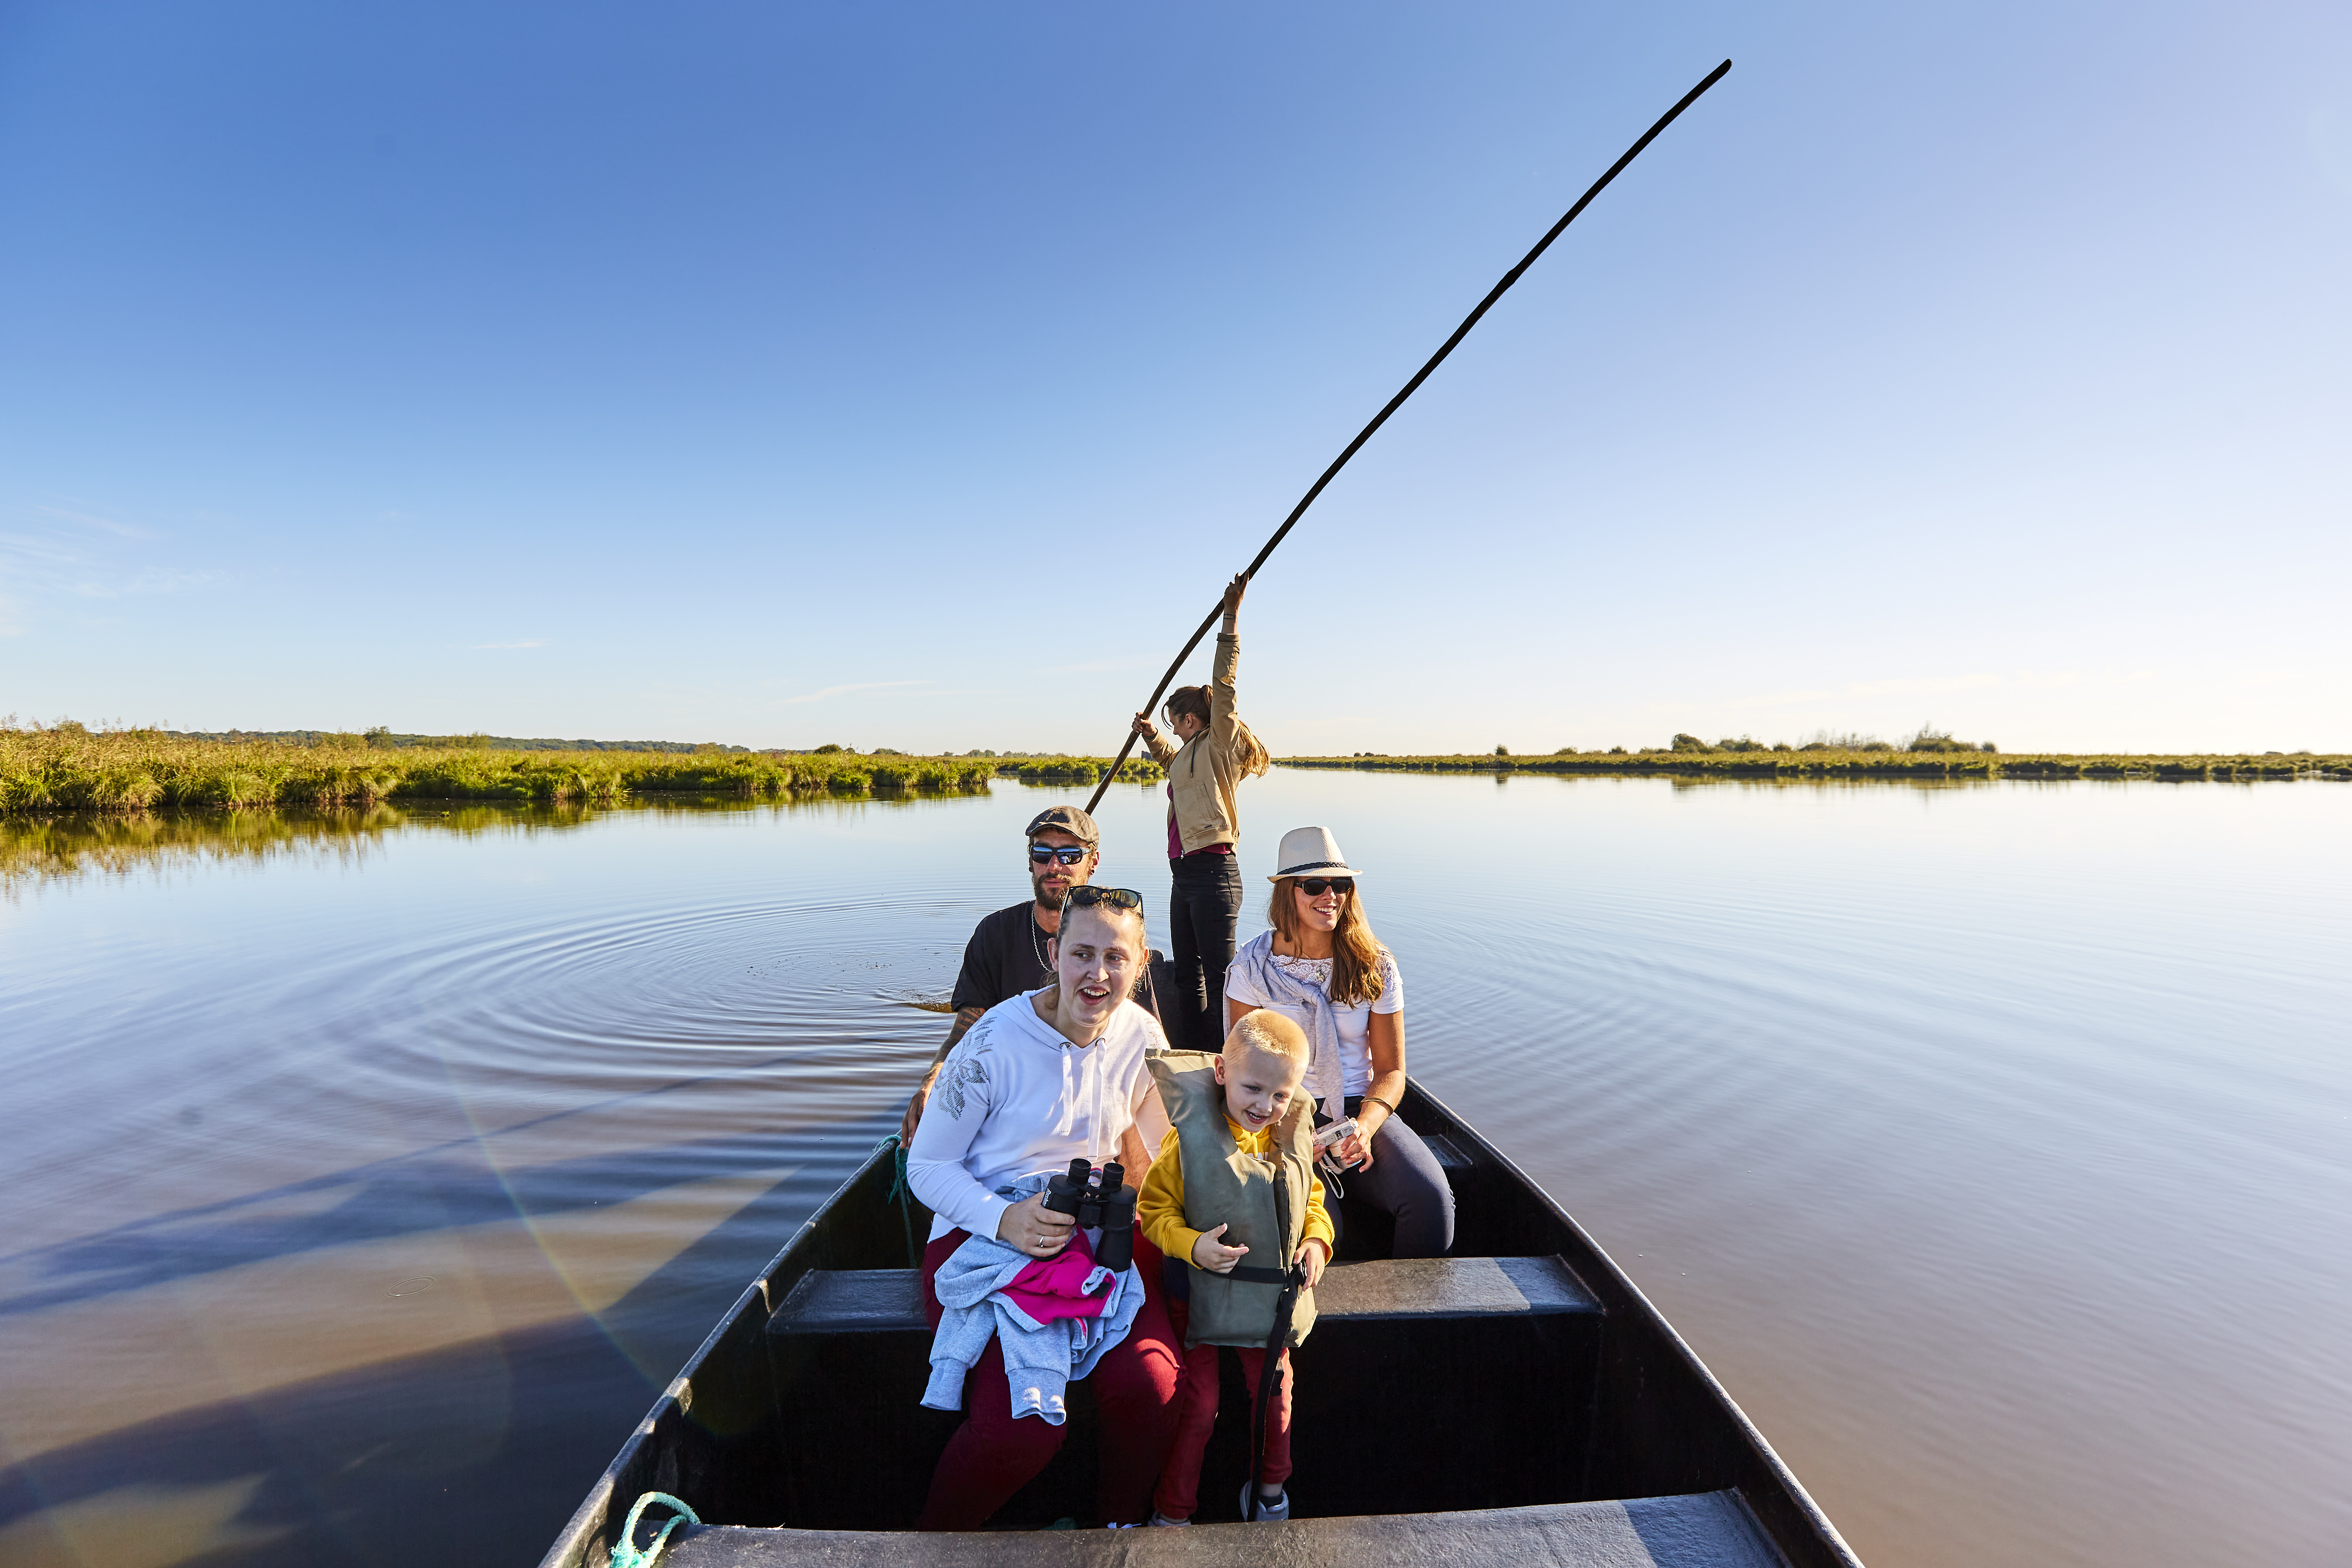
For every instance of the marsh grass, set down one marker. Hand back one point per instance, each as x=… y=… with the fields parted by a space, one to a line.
x=67 y=767
x=1875 y=763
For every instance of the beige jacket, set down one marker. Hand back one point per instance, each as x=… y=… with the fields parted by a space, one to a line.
x=1203 y=771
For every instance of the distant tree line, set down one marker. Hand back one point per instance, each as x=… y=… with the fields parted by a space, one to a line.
x=1927 y=739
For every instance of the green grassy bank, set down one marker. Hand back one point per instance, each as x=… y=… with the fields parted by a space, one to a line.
x=66 y=768
x=1855 y=765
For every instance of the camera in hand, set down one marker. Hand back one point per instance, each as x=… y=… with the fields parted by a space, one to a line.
x=1107 y=1207
x=1329 y=1135
x=1331 y=1132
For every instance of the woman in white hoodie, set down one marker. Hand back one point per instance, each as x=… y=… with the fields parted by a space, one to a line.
x=1043 y=1078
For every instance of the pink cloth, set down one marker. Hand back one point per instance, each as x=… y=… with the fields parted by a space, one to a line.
x=1056 y=1287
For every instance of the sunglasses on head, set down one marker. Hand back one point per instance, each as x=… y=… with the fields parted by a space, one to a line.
x=1117 y=898
x=1067 y=854
x=1317 y=886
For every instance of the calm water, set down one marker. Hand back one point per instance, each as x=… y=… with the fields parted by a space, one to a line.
x=367 y=1177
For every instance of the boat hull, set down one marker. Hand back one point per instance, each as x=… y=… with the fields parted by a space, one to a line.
x=1486 y=1392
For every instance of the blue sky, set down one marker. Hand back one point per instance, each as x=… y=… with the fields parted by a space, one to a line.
x=912 y=376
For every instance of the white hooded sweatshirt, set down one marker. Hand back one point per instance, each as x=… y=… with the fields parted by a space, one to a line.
x=1014 y=1099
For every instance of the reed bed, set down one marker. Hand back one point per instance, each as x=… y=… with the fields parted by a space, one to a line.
x=67 y=768
x=1855 y=765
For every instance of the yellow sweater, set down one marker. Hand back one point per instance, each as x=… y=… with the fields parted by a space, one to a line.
x=1160 y=1207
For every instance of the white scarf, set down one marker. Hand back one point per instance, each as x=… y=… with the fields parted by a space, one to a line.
x=1326 y=1080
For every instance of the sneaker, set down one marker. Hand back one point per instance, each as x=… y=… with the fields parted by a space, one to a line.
x=1162 y=1522
x=1274 y=1512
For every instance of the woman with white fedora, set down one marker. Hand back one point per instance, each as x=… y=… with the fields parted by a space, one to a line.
x=1322 y=966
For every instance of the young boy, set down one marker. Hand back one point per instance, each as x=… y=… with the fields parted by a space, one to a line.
x=1245 y=1134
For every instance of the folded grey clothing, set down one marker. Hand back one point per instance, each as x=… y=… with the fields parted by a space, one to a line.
x=1041 y=1359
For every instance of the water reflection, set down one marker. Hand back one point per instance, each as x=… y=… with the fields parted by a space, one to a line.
x=36 y=850
x=370 y=1171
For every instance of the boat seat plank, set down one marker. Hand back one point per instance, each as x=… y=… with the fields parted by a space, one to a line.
x=1449 y=1157
x=1450 y=1288
x=1704 y=1530
x=853 y=1301
x=890 y=1301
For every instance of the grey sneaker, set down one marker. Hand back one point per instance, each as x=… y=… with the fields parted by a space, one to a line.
x=1162 y=1521
x=1274 y=1512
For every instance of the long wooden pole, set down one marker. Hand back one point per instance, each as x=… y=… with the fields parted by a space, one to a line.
x=1397 y=402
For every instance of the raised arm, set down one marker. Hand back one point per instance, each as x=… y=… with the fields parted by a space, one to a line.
x=1221 y=676
x=1152 y=741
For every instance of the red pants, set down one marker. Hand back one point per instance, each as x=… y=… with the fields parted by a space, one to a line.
x=994 y=1454
x=1180 y=1482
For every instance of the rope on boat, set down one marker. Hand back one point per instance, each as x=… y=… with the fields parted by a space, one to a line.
x=903 y=1195
x=625 y=1551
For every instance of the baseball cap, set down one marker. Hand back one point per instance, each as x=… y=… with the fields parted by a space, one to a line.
x=1071 y=819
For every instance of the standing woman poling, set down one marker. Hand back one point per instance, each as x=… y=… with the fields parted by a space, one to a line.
x=1217 y=751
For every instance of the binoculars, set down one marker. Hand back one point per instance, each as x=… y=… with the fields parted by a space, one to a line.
x=1108 y=1207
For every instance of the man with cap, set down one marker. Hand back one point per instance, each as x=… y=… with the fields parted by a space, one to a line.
x=1006 y=955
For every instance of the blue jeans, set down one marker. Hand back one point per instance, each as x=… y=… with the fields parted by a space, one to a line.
x=1406 y=1180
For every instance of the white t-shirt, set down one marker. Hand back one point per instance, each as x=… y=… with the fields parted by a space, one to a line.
x=1014 y=1099
x=1355 y=1023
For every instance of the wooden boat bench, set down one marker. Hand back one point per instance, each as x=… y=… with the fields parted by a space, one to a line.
x=890 y=1301
x=1409 y=1346
x=1707 y=1530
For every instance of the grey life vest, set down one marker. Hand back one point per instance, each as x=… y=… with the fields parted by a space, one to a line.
x=1261 y=1199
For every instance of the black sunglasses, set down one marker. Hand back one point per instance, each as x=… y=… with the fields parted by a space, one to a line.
x=1117 y=898
x=1317 y=886
x=1067 y=854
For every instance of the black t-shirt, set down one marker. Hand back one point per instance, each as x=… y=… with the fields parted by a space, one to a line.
x=1006 y=956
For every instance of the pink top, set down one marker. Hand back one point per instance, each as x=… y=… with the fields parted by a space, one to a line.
x=1056 y=1287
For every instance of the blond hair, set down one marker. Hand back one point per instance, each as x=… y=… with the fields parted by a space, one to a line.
x=1356 y=952
x=1269 y=1033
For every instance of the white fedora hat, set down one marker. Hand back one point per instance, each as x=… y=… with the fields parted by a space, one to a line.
x=1310 y=852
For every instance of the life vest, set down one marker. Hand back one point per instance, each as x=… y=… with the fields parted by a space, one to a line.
x=1261 y=1199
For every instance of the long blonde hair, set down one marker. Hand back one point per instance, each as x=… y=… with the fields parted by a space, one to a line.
x=1250 y=755
x=1356 y=952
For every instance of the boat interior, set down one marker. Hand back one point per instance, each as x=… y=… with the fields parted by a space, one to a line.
x=1518 y=1401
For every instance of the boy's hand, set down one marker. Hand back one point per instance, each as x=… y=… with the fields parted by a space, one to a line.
x=1314 y=1252
x=1214 y=1255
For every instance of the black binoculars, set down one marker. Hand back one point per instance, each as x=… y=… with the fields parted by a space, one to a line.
x=1109 y=1207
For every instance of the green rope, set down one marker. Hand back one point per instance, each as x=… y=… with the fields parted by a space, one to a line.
x=625 y=1551
x=903 y=1195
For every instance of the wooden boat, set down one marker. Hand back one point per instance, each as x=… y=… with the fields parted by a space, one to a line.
x=1518 y=1403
